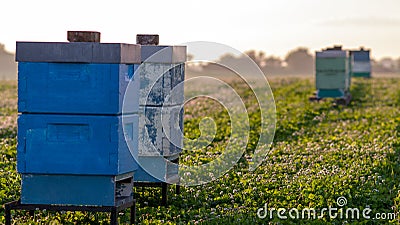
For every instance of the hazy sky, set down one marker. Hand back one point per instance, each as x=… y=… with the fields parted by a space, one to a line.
x=271 y=26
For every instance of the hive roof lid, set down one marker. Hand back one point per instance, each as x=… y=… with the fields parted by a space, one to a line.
x=78 y=52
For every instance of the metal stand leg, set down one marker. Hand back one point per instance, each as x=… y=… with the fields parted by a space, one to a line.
x=164 y=190
x=113 y=217
x=178 y=189
x=7 y=215
x=178 y=186
x=133 y=212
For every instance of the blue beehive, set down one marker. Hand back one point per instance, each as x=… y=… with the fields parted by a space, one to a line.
x=75 y=147
x=161 y=112
x=361 y=63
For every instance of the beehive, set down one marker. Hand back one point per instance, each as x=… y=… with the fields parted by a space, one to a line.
x=361 y=63
x=161 y=112
x=332 y=73
x=75 y=147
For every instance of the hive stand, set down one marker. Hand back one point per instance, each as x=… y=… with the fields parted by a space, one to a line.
x=163 y=185
x=339 y=101
x=121 y=205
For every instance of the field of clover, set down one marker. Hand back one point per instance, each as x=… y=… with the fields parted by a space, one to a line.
x=321 y=151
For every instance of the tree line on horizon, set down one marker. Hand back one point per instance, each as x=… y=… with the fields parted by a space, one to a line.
x=298 y=61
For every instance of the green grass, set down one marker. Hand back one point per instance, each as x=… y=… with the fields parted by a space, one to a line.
x=320 y=152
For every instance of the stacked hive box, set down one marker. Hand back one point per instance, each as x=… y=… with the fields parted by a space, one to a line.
x=361 y=63
x=333 y=73
x=161 y=112
x=73 y=146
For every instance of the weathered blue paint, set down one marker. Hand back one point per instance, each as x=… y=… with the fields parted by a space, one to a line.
x=160 y=130
x=157 y=80
x=68 y=189
x=76 y=144
x=77 y=88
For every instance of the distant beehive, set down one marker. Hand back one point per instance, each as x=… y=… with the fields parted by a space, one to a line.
x=161 y=113
x=361 y=63
x=71 y=141
x=332 y=73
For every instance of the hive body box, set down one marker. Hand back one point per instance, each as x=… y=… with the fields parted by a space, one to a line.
x=74 y=145
x=332 y=73
x=82 y=88
x=361 y=63
x=79 y=190
x=160 y=112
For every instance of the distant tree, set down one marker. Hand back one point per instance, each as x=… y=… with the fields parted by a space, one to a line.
x=256 y=56
x=299 y=61
x=272 y=65
x=228 y=59
x=388 y=63
x=384 y=65
x=398 y=65
x=222 y=64
x=376 y=67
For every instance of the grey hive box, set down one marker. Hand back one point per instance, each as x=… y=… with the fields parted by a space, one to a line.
x=161 y=71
